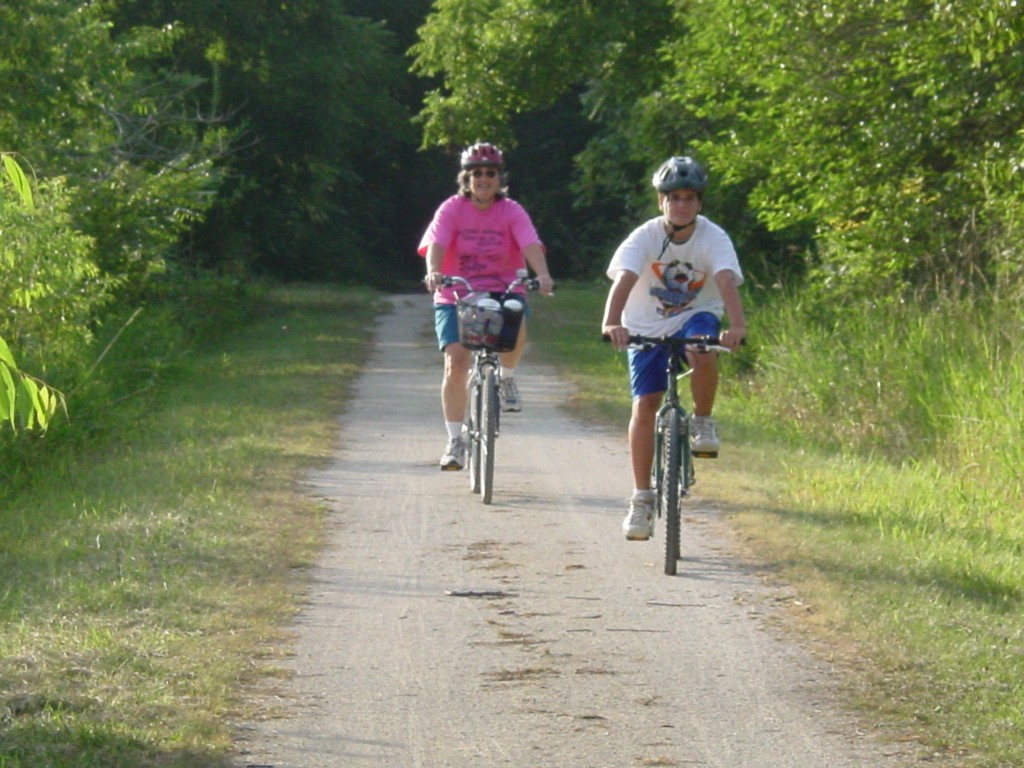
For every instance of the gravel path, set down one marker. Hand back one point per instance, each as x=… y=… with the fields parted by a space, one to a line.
x=530 y=633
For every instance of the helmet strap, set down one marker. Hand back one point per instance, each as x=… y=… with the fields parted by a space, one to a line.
x=677 y=228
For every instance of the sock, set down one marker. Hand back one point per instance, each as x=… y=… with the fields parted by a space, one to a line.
x=507 y=373
x=454 y=429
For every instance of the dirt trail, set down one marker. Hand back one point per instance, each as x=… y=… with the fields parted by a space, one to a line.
x=529 y=633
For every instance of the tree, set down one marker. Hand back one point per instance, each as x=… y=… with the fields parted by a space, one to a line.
x=885 y=130
x=119 y=130
x=315 y=92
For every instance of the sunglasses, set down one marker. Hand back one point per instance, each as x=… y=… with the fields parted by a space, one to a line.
x=490 y=173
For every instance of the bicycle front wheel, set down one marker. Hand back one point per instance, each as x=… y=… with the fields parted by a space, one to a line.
x=670 y=491
x=488 y=433
x=473 y=433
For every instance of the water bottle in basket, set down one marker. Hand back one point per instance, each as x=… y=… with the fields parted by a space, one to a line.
x=512 y=318
x=481 y=323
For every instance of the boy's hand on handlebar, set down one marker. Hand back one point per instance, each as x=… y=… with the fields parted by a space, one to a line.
x=433 y=281
x=545 y=285
x=733 y=338
x=618 y=335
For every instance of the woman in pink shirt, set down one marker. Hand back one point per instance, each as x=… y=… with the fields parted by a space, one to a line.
x=482 y=235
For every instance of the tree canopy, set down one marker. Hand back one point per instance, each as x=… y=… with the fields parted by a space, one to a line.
x=881 y=140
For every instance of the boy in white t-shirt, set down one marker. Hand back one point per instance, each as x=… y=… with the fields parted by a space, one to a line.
x=674 y=275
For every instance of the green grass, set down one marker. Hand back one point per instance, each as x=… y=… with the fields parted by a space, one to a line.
x=874 y=464
x=145 y=578
x=145 y=582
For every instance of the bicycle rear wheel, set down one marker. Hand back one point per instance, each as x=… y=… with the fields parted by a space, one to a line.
x=488 y=433
x=473 y=434
x=671 y=489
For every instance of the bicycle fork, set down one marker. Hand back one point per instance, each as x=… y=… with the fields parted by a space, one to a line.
x=662 y=425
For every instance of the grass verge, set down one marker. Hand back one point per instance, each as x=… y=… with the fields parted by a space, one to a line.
x=908 y=575
x=144 y=586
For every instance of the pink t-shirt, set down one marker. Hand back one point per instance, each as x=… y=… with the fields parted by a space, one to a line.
x=485 y=247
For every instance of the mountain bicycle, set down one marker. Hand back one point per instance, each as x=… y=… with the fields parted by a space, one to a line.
x=489 y=323
x=673 y=470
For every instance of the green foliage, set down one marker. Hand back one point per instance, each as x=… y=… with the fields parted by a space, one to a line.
x=50 y=288
x=314 y=95
x=123 y=166
x=887 y=131
x=862 y=119
x=136 y=113
x=502 y=57
x=121 y=132
x=508 y=71
x=25 y=402
x=18 y=179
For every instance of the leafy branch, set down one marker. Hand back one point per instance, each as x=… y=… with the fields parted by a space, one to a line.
x=25 y=401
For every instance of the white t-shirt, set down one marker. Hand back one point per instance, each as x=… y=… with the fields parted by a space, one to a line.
x=676 y=281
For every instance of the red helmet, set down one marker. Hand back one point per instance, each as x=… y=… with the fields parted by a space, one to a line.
x=482 y=153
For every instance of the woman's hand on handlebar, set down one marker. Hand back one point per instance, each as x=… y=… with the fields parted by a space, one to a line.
x=433 y=281
x=545 y=285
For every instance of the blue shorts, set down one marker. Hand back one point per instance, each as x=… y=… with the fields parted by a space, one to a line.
x=647 y=366
x=446 y=322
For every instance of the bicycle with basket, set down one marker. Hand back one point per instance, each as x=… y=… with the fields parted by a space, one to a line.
x=489 y=323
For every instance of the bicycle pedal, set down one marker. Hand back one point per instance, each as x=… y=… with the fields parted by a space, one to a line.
x=705 y=454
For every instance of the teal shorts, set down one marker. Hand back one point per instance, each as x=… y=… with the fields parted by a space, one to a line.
x=446 y=321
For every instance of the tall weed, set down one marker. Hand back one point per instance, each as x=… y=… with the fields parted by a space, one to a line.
x=904 y=381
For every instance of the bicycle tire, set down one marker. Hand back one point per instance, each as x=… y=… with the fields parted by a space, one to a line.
x=473 y=435
x=488 y=433
x=672 y=490
x=658 y=467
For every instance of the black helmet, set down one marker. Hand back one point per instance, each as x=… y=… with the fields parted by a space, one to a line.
x=680 y=173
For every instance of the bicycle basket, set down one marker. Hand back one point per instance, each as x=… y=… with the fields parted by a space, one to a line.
x=484 y=324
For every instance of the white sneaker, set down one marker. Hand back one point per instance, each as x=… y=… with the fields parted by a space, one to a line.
x=454 y=454
x=508 y=393
x=704 y=440
x=639 y=522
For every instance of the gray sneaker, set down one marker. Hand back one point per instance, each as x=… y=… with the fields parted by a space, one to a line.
x=454 y=455
x=704 y=441
x=508 y=392
x=639 y=522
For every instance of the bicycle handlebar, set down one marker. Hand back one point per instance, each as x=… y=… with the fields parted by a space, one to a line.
x=530 y=283
x=696 y=343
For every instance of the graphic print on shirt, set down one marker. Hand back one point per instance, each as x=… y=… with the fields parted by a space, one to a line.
x=680 y=284
x=488 y=244
x=481 y=250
